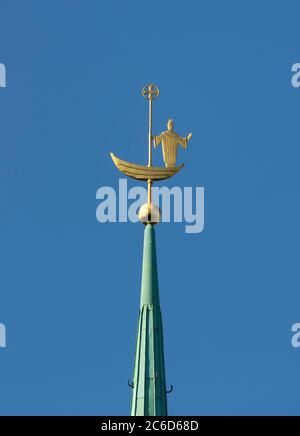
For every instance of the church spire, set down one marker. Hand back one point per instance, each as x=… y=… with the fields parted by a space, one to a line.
x=149 y=383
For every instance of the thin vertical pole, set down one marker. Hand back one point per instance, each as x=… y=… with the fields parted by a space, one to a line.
x=150 y=133
x=149 y=182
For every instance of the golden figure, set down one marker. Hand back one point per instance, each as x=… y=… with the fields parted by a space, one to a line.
x=170 y=141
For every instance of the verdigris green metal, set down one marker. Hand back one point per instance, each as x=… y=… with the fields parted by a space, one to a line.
x=149 y=381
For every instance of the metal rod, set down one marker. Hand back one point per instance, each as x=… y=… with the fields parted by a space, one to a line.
x=150 y=133
x=149 y=182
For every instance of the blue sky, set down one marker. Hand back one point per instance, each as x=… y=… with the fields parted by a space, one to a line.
x=69 y=286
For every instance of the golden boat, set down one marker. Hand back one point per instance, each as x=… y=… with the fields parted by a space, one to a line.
x=142 y=172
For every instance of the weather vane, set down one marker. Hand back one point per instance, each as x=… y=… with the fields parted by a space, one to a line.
x=149 y=213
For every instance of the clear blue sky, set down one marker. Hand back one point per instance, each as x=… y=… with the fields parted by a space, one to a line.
x=69 y=286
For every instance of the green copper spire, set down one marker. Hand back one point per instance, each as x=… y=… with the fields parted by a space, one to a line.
x=149 y=383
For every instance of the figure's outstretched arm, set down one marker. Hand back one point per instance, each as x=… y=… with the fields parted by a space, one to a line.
x=157 y=140
x=184 y=141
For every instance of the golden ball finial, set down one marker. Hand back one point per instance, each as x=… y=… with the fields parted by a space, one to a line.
x=149 y=213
